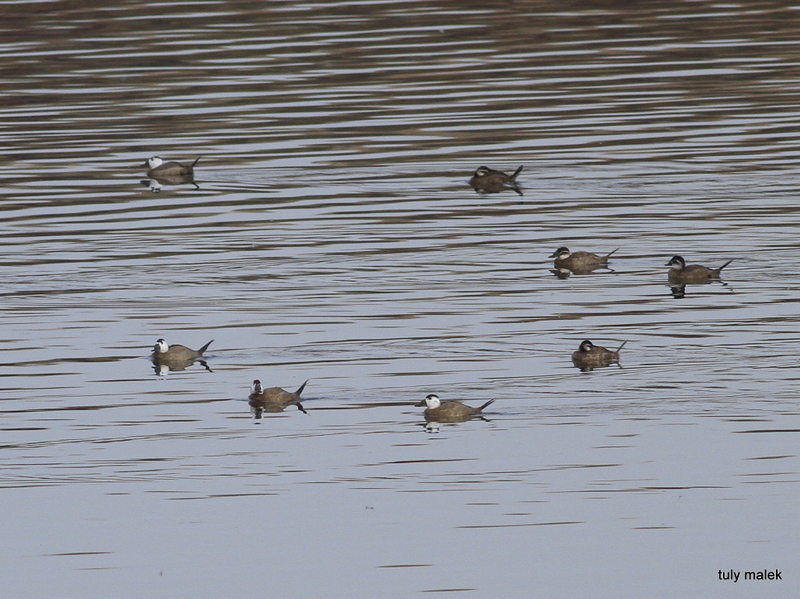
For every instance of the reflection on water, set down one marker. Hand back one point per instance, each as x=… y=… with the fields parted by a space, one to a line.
x=164 y=368
x=679 y=291
x=257 y=408
x=332 y=230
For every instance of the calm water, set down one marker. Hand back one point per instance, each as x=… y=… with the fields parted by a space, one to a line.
x=333 y=236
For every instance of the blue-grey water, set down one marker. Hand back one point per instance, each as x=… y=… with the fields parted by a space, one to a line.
x=332 y=235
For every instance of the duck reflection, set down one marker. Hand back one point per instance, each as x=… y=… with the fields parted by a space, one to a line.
x=589 y=356
x=678 y=291
x=153 y=184
x=433 y=427
x=488 y=180
x=168 y=358
x=450 y=410
x=273 y=399
x=164 y=368
x=156 y=185
x=568 y=263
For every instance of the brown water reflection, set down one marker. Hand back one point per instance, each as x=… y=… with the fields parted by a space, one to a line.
x=333 y=234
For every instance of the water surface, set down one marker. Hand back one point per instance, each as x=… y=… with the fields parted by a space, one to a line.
x=333 y=237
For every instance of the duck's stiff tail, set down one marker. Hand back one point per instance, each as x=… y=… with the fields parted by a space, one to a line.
x=491 y=401
x=517 y=172
x=609 y=254
x=724 y=265
x=196 y=161
x=300 y=390
x=621 y=346
x=205 y=347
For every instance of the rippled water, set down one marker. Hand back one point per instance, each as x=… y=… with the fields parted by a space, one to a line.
x=332 y=236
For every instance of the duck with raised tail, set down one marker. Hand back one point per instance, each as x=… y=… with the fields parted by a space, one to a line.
x=680 y=272
x=273 y=399
x=579 y=263
x=157 y=168
x=450 y=410
x=488 y=180
x=589 y=356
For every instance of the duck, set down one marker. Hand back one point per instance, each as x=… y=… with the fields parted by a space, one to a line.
x=579 y=262
x=176 y=353
x=491 y=181
x=693 y=273
x=274 y=399
x=588 y=355
x=452 y=410
x=157 y=168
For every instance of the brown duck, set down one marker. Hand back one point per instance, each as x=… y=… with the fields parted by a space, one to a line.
x=176 y=353
x=589 y=355
x=693 y=273
x=491 y=181
x=158 y=169
x=452 y=410
x=274 y=399
x=579 y=262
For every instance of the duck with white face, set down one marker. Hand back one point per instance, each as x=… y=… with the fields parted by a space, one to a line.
x=579 y=263
x=162 y=173
x=176 y=353
x=273 y=399
x=589 y=356
x=449 y=410
x=681 y=273
x=167 y=358
x=488 y=180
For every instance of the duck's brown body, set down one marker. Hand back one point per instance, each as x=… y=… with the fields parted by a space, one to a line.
x=274 y=399
x=450 y=410
x=492 y=181
x=579 y=262
x=176 y=353
x=589 y=355
x=274 y=394
x=681 y=273
x=169 y=170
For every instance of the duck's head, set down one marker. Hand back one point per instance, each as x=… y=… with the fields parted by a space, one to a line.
x=677 y=263
x=430 y=401
x=561 y=253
